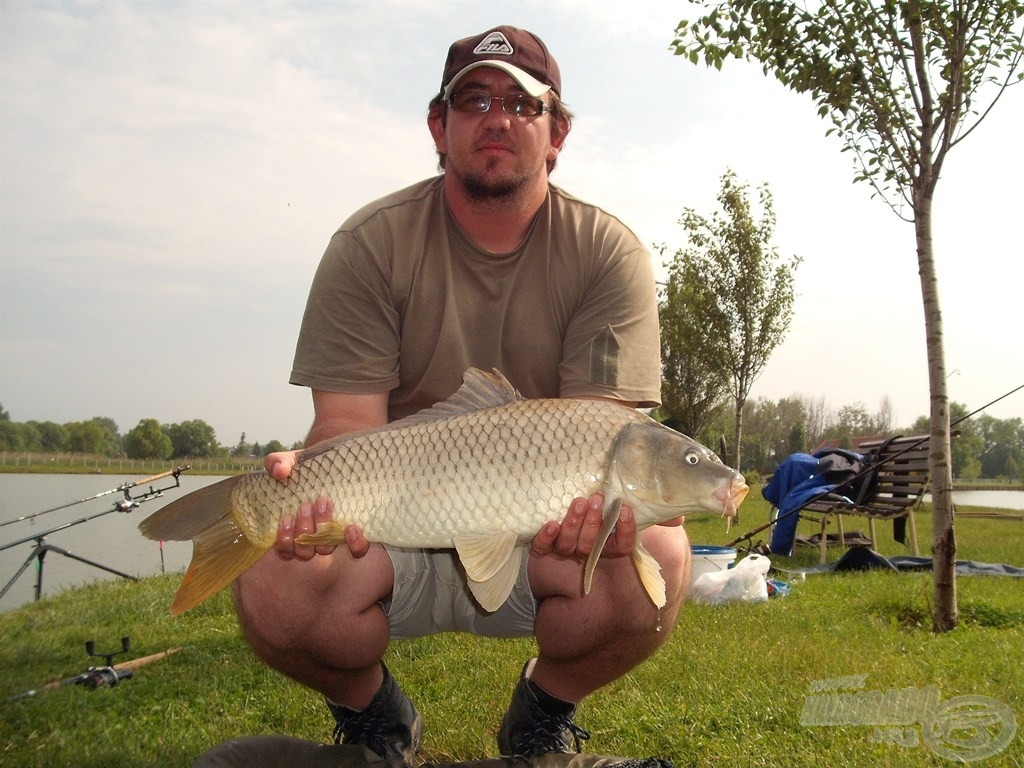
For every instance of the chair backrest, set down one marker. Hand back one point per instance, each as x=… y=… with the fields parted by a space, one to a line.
x=901 y=475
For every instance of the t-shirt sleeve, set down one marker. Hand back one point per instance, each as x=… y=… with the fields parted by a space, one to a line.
x=349 y=337
x=612 y=346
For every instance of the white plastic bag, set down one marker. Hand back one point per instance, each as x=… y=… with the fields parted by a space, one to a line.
x=747 y=582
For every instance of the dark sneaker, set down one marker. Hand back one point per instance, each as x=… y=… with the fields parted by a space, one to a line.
x=537 y=723
x=389 y=726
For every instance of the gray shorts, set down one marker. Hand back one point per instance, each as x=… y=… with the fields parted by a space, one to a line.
x=431 y=596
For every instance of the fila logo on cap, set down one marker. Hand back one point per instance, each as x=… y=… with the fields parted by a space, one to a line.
x=495 y=44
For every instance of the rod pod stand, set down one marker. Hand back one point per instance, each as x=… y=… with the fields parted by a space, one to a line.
x=90 y=648
x=42 y=547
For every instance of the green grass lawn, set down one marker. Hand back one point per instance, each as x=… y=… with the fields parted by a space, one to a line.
x=727 y=689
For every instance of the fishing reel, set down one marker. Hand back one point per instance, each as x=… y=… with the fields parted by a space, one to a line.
x=94 y=677
x=99 y=676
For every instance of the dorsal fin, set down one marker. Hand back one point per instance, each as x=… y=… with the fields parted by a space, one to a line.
x=480 y=390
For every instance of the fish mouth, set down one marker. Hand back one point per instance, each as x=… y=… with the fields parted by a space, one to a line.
x=731 y=496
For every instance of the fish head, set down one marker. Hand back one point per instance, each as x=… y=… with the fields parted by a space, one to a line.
x=663 y=474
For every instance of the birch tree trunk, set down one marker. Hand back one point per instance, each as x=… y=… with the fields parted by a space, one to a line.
x=944 y=616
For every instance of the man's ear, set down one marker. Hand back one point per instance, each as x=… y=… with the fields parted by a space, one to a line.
x=436 y=121
x=559 y=132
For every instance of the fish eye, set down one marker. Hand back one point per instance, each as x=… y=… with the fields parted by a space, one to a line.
x=691 y=457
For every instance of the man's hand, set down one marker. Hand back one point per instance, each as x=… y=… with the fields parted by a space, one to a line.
x=308 y=516
x=306 y=520
x=578 y=531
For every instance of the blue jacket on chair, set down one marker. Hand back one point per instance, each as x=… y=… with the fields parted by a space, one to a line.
x=800 y=478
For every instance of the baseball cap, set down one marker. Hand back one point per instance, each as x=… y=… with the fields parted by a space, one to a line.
x=520 y=54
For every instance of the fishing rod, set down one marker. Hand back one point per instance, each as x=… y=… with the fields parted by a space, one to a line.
x=126 y=504
x=108 y=675
x=124 y=488
x=872 y=467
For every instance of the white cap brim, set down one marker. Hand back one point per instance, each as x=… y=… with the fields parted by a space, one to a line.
x=526 y=81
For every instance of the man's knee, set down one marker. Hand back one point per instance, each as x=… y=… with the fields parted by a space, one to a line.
x=277 y=601
x=263 y=626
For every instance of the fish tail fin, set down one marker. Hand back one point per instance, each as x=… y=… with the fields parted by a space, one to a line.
x=219 y=555
x=187 y=517
x=220 y=550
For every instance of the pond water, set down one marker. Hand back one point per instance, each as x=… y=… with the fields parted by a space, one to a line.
x=997 y=499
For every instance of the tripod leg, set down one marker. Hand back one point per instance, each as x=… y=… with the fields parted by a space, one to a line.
x=93 y=563
x=28 y=561
x=39 y=569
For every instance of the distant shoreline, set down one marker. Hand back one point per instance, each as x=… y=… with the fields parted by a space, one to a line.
x=120 y=467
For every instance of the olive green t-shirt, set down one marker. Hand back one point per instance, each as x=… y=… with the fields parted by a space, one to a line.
x=403 y=302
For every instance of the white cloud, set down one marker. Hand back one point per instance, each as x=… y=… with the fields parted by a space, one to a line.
x=172 y=172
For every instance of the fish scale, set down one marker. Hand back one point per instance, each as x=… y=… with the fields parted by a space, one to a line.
x=481 y=472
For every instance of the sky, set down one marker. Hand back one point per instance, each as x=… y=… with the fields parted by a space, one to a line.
x=170 y=174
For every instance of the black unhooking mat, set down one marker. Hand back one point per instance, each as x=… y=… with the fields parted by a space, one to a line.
x=864 y=559
x=289 y=752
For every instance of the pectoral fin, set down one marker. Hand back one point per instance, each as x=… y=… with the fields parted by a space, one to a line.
x=492 y=563
x=647 y=567
x=650 y=574
x=610 y=516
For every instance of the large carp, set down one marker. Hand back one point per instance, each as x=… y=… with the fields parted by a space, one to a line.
x=480 y=472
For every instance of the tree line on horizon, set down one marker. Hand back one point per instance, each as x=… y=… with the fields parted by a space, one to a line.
x=147 y=440
x=986 y=448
